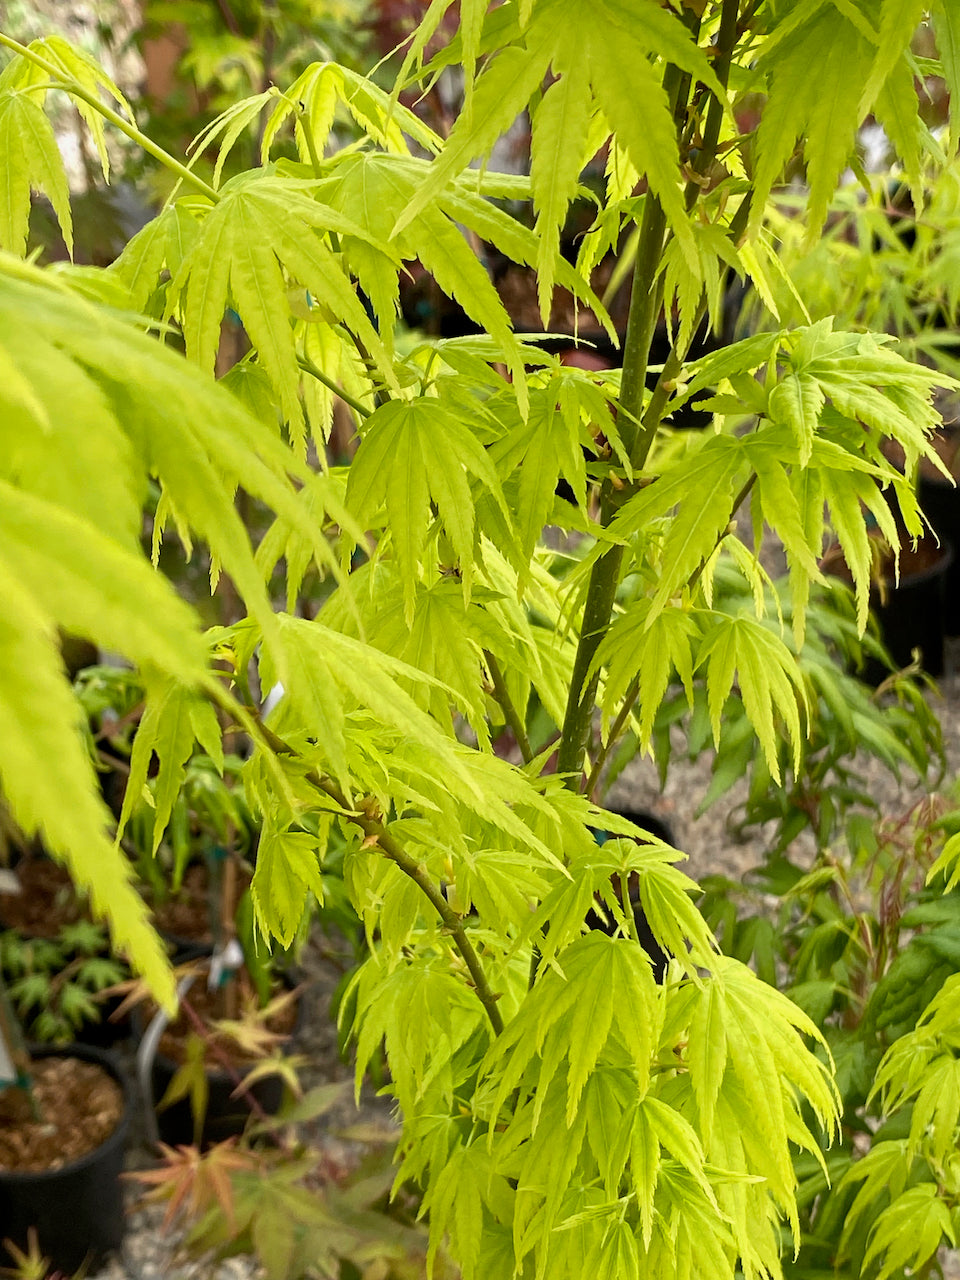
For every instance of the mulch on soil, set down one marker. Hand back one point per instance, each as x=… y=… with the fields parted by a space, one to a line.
x=79 y=1106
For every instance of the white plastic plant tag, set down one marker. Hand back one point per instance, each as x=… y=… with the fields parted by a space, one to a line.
x=9 y=881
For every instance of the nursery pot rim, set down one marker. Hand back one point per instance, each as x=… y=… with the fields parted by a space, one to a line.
x=943 y=561
x=117 y=1136
x=945 y=558
x=212 y=1070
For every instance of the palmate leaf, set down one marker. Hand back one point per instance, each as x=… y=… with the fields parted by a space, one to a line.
x=93 y=587
x=68 y=64
x=414 y=453
x=383 y=186
x=446 y=638
x=31 y=161
x=614 y=53
x=566 y=406
x=260 y=225
x=329 y=671
x=396 y=1004
x=163 y=242
x=824 y=110
x=49 y=782
x=769 y=680
x=135 y=408
x=175 y=717
x=790 y=500
x=909 y=1232
x=287 y=873
x=568 y=1020
x=561 y=125
x=465 y=48
x=313 y=98
x=323 y=498
x=145 y=412
x=763 y=1034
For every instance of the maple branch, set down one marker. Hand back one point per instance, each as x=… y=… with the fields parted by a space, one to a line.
x=727 y=37
x=645 y=300
x=391 y=848
x=502 y=697
x=307 y=365
x=77 y=90
x=616 y=729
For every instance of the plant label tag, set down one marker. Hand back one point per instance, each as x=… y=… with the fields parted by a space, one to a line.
x=9 y=881
x=8 y=1071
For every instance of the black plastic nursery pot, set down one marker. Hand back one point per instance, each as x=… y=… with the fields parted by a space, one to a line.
x=914 y=615
x=940 y=503
x=76 y=1210
x=226 y=1116
x=657 y=827
x=911 y=612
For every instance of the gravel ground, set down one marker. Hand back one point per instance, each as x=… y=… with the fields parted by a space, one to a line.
x=712 y=846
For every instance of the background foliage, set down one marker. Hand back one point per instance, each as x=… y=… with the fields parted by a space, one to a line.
x=564 y=1113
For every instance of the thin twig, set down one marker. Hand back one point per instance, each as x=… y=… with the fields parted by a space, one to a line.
x=77 y=90
x=502 y=696
x=390 y=847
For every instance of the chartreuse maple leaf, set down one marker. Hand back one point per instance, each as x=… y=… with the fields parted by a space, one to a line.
x=446 y=638
x=312 y=102
x=761 y=1031
x=568 y=1019
x=314 y=97
x=567 y=406
x=859 y=69
x=665 y=894
x=72 y=66
x=908 y=1233
x=162 y=243
x=615 y=55
x=262 y=227
x=118 y=407
x=415 y=453
x=175 y=717
x=650 y=652
x=48 y=780
x=136 y=411
x=385 y=186
x=286 y=879
x=768 y=678
x=395 y=1003
x=31 y=162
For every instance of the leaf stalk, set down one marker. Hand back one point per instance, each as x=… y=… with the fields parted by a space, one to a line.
x=77 y=90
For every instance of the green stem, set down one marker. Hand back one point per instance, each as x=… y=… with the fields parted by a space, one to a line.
x=308 y=366
x=627 y=905
x=597 y=611
x=77 y=90
x=417 y=871
x=502 y=696
x=662 y=391
x=727 y=37
x=623 y=715
x=311 y=144
x=645 y=298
